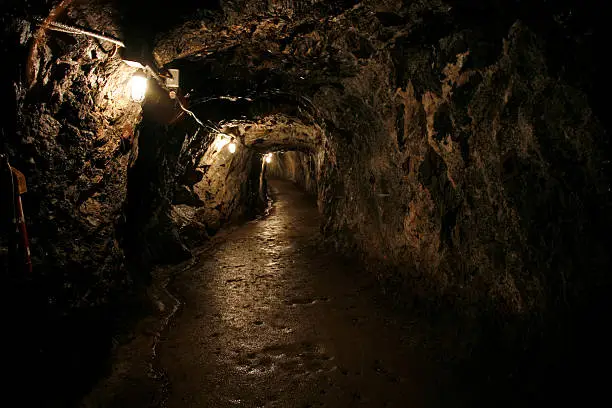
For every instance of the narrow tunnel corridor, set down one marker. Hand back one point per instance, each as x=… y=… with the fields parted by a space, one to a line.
x=268 y=315
x=304 y=203
x=270 y=318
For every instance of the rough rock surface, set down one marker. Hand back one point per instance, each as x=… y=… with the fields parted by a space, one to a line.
x=445 y=195
x=217 y=187
x=303 y=169
x=460 y=148
x=439 y=132
x=72 y=137
x=75 y=126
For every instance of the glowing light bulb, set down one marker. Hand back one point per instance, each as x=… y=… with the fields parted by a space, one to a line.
x=232 y=147
x=269 y=158
x=138 y=85
x=222 y=140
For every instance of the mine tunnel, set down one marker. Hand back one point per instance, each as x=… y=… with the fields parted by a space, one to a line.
x=304 y=203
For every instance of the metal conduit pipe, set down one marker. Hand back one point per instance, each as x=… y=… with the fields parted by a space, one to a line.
x=64 y=28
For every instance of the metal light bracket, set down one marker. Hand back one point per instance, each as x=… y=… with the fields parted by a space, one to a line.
x=173 y=81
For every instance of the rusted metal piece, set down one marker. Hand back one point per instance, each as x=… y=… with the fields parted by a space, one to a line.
x=21 y=188
x=23 y=233
x=20 y=181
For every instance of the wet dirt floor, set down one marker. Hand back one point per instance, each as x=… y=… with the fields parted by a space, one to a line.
x=270 y=319
x=267 y=315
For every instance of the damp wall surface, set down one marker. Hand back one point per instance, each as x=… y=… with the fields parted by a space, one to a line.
x=481 y=183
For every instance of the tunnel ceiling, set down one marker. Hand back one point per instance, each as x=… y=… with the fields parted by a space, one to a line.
x=276 y=57
x=276 y=133
x=260 y=68
x=273 y=63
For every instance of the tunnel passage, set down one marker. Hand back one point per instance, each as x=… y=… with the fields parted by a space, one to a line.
x=218 y=186
x=456 y=148
x=205 y=184
x=302 y=168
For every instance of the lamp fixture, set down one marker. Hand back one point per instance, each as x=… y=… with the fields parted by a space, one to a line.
x=232 y=147
x=268 y=158
x=223 y=140
x=138 y=86
x=173 y=80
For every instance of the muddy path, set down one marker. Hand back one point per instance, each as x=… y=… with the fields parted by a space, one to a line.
x=270 y=319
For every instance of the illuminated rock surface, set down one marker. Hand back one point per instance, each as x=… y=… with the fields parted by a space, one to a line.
x=457 y=151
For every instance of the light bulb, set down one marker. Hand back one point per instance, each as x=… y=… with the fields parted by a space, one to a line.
x=222 y=140
x=138 y=84
x=269 y=158
x=232 y=147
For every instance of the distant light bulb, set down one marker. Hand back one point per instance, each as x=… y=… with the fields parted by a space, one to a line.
x=269 y=158
x=232 y=148
x=222 y=140
x=138 y=84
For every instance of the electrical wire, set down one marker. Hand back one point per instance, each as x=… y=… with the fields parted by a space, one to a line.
x=64 y=28
x=190 y=113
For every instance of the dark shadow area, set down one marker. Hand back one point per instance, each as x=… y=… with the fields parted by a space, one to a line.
x=53 y=359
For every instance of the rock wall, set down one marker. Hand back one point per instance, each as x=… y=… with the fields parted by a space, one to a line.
x=216 y=188
x=72 y=139
x=71 y=133
x=484 y=188
x=461 y=156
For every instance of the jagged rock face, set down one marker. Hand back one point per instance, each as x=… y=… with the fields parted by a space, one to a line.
x=75 y=128
x=450 y=153
x=217 y=187
x=446 y=196
x=275 y=132
x=71 y=131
